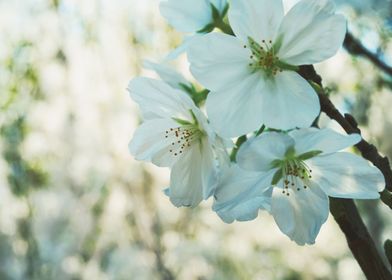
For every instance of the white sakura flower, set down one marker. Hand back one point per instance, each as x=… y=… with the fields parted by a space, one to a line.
x=176 y=134
x=191 y=15
x=252 y=76
x=303 y=168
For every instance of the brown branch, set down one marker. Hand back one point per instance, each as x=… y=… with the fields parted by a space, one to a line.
x=358 y=239
x=349 y=124
x=355 y=47
x=344 y=210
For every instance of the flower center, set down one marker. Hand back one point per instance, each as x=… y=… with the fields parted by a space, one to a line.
x=296 y=176
x=293 y=172
x=183 y=136
x=264 y=57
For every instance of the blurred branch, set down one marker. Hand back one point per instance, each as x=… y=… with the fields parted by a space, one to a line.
x=355 y=47
x=344 y=210
x=150 y=238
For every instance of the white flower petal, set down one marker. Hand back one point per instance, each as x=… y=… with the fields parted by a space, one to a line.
x=288 y=102
x=259 y=19
x=311 y=32
x=325 y=140
x=209 y=173
x=218 y=61
x=300 y=215
x=186 y=182
x=158 y=100
x=235 y=111
x=187 y=15
x=167 y=74
x=240 y=194
x=258 y=153
x=150 y=144
x=345 y=175
x=183 y=47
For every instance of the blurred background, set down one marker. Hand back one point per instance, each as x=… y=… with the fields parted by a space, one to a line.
x=75 y=205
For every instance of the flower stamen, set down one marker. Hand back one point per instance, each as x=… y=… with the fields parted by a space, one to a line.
x=182 y=138
x=295 y=175
x=263 y=57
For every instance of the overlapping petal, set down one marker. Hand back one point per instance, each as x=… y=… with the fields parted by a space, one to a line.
x=288 y=102
x=194 y=177
x=310 y=32
x=226 y=112
x=241 y=194
x=258 y=153
x=186 y=180
x=300 y=215
x=150 y=144
x=218 y=61
x=186 y=15
x=345 y=175
x=167 y=74
x=158 y=100
x=209 y=168
x=325 y=140
x=259 y=19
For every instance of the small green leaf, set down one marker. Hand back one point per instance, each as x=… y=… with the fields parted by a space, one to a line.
x=197 y=96
x=194 y=117
x=276 y=163
x=187 y=88
x=309 y=155
x=317 y=87
x=225 y=10
x=261 y=130
x=241 y=140
x=285 y=66
x=207 y=29
x=182 y=122
x=290 y=153
x=277 y=176
x=215 y=13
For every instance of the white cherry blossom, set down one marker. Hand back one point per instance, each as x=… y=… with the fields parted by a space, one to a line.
x=252 y=75
x=301 y=169
x=176 y=134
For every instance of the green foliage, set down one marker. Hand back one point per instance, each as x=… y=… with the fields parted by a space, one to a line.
x=23 y=175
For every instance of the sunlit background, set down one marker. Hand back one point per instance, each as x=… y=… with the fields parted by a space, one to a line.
x=75 y=205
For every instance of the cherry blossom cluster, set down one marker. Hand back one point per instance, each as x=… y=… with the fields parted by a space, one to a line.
x=246 y=55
